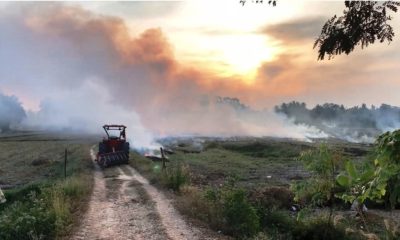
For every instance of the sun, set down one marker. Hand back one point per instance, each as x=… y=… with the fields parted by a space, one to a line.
x=243 y=54
x=226 y=55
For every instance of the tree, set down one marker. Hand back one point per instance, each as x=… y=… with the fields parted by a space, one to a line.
x=11 y=112
x=362 y=23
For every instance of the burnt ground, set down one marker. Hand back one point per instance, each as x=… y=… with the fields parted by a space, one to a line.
x=252 y=161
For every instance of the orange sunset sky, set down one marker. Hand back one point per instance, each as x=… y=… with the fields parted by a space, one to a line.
x=258 y=53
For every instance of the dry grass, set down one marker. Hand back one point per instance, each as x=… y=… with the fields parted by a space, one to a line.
x=34 y=157
x=33 y=166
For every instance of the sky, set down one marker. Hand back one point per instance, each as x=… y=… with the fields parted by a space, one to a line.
x=269 y=49
x=165 y=61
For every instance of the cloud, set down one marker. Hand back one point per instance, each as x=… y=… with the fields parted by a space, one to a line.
x=303 y=29
x=135 y=9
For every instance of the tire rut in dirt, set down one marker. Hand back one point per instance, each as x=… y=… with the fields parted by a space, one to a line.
x=174 y=224
x=119 y=209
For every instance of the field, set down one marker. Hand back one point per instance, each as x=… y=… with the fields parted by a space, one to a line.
x=39 y=199
x=265 y=169
x=253 y=161
x=240 y=187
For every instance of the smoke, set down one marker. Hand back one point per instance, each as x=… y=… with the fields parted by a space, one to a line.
x=356 y=124
x=86 y=109
x=11 y=112
x=88 y=70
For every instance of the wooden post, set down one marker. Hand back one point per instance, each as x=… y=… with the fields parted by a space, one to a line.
x=65 y=164
x=163 y=158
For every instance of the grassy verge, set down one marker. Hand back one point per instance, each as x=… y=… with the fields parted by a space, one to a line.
x=241 y=188
x=44 y=205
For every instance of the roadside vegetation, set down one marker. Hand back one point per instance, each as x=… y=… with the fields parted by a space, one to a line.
x=41 y=203
x=283 y=189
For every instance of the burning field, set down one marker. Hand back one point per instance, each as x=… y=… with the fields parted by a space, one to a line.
x=226 y=127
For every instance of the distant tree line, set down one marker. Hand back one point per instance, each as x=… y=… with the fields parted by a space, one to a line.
x=232 y=102
x=11 y=112
x=338 y=120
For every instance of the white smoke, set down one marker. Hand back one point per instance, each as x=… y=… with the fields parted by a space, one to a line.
x=88 y=70
x=86 y=109
x=11 y=112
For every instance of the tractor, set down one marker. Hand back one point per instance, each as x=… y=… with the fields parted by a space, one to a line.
x=114 y=149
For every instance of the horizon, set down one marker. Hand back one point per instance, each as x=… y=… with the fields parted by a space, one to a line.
x=160 y=65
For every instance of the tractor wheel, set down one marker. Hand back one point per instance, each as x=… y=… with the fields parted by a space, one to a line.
x=126 y=147
x=102 y=148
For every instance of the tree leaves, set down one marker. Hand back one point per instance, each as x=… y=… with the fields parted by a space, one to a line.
x=362 y=23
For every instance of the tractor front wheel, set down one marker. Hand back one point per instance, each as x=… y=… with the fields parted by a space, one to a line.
x=102 y=148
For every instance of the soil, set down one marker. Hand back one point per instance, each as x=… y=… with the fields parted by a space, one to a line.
x=124 y=205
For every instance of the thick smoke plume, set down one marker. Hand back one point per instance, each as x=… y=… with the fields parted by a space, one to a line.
x=88 y=69
x=11 y=112
x=354 y=123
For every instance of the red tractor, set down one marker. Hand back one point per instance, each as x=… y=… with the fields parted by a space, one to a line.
x=114 y=149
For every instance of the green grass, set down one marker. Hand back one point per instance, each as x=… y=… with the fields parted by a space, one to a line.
x=42 y=204
x=263 y=168
x=251 y=161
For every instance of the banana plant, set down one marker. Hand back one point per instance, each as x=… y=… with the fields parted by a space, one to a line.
x=356 y=184
x=387 y=165
x=380 y=183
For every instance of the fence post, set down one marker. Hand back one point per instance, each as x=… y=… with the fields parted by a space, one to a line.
x=65 y=164
x=163 y=158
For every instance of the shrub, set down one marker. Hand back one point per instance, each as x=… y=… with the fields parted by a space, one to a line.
x=318 y=229
x=196 y=203
x=319 y=189
x=59 y=206
x=176 y=176
x=387 y=173
x=230 y=204
x=277 y=220
x=241 y=217
x=41 y=210
x=27 y=220
x=75 y=187
x=272 y=198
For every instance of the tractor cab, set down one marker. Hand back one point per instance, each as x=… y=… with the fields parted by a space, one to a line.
x=115 y=132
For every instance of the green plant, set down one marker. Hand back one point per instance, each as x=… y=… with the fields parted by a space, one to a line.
x=387 y=165
x=378 y=183
x=176 y=176
x=355 y=183
x=241 y=217
x=318 y=229
x=30 y=219
x=278 y=220
x=319 y=189
x=229 y=210
x=272 y=197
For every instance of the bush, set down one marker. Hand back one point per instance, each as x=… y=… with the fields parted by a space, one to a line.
x=241 y=217
x=196 y=203
x=277 y=220
x=320 y=188
x=176 y=176
x=318 y=229
x=27 y=220
x=42 y=210
x=272 y=198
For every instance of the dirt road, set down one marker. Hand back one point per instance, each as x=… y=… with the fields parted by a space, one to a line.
x=125 y=206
